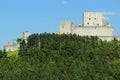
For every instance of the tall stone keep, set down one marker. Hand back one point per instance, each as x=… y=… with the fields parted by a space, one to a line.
x=93 y=19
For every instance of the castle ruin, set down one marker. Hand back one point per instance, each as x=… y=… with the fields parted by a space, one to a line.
x=93 y=25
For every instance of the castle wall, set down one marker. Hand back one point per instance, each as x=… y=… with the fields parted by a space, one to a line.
x=12 y=47
x=94 y=31
x=8 y=48
x=118 y=38
x=107 y=38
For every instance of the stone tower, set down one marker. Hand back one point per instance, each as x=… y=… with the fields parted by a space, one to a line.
x=66 y=27
x=93 y=19
x=26 y=35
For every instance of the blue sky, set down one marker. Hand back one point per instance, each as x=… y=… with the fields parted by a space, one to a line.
x=38 y=16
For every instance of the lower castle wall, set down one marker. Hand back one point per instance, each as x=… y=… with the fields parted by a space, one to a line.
x=93 y=31
x=107 y=38
x=12 y=48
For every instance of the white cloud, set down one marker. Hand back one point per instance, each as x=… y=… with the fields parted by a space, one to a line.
x=111 y=13
x=107 y=14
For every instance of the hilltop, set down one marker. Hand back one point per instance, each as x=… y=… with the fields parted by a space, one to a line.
x=63 y=57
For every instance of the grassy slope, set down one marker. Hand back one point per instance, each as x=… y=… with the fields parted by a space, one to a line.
x=13 y=53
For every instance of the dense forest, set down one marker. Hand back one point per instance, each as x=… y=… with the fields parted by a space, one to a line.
x=62 y=57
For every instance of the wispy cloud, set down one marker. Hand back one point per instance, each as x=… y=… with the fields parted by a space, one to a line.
x=106 y=14
x=111 y=13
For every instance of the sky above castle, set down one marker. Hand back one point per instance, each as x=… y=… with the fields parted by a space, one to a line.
x=38 y=16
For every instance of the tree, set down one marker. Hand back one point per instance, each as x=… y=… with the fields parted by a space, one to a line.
x=19 y=40
x=23 y=48
x=66 y=57
x=1 y=53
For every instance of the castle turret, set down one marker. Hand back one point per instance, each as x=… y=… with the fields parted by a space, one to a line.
x=26 y=35
x=66 y=27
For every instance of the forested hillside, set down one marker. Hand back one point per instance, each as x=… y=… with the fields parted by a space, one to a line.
x=63 y=57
